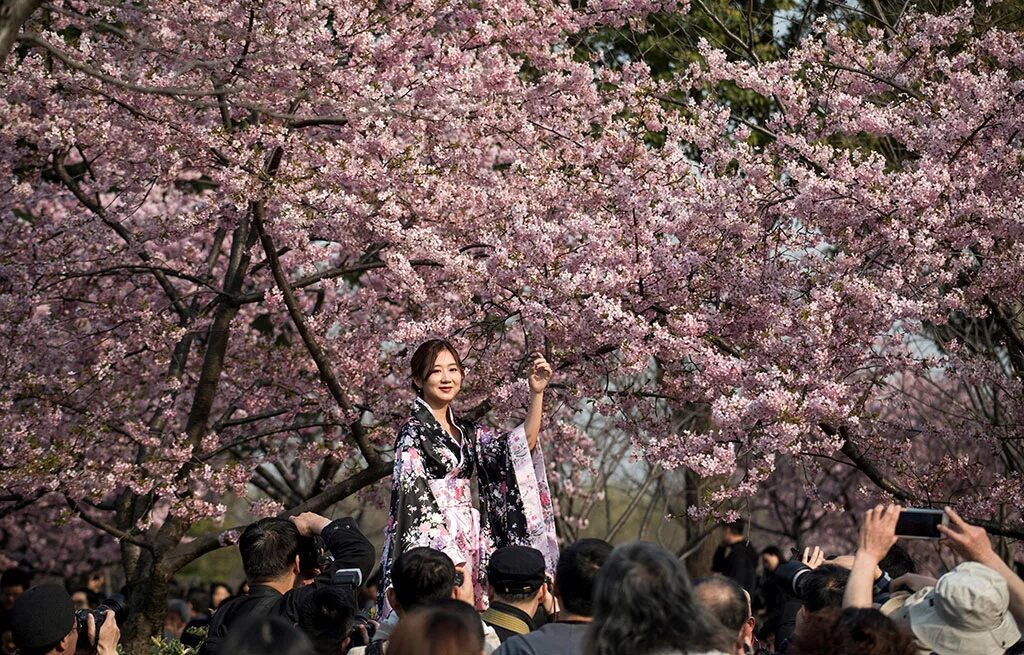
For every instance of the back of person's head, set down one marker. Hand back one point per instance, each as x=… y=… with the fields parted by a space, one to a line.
x=644 y=603
x=448 y=627
x=268 y=547
x=265 y=635
x=897 y=562
x=852 y=631
x=327 y=617
x=823 y=587
x=725 y=599
x=179 y=609
x=775 y=552
x=576 y=573
x=420 y=576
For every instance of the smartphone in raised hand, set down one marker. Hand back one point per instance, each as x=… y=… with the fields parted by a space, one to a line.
x=920 y=523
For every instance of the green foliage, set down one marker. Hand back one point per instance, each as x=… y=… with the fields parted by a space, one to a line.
x=163 y=646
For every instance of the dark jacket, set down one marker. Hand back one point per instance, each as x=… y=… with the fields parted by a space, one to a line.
x=737 y=561
x=550 y=639
x=343 y=541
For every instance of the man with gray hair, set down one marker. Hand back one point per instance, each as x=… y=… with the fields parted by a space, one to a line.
x=730 y=603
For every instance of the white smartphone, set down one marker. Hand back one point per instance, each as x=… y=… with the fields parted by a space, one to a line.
x=916 y=523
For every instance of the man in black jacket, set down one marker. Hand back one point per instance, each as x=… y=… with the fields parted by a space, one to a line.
x=270 y=556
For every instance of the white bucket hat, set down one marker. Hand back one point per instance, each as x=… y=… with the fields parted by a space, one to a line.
x=965 y=613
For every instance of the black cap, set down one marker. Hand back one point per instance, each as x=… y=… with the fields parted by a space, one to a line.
x=516 y=570
x=42 y=616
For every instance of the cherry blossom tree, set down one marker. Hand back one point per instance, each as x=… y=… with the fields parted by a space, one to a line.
x=225 y=226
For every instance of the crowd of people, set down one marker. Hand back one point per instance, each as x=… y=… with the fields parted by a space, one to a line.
x=310 y=590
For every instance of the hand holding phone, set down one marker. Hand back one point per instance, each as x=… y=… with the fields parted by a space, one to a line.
x=920 y=523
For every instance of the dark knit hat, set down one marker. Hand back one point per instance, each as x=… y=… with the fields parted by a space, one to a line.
x=42 y=616
x=516 y=570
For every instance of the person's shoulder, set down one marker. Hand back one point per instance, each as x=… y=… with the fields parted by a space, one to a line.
x=516 y=645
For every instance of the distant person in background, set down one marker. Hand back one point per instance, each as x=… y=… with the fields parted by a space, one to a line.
x=13 y=583
x=80 y=598
x=771 y=594
x=219 y=592
x=176 y=618
x=736 y=558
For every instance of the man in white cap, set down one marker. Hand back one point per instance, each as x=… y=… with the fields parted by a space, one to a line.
x=975 y=609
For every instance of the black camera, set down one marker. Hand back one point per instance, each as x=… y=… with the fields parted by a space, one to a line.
x=116 y=603
x=313 y=556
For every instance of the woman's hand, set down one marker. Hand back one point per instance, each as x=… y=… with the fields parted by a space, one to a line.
x=540 y=373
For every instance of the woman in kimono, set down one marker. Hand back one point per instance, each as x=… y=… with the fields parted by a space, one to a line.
x=437 y=456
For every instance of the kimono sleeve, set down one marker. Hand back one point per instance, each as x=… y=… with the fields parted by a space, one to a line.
x=514 y=493
x=418 y=519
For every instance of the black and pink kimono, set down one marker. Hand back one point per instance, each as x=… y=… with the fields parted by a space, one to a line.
x=432 y=496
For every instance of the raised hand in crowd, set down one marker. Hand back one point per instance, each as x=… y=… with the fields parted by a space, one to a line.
x=813 y=557
x=110 y=634
x=972 y=543
x=877 y=536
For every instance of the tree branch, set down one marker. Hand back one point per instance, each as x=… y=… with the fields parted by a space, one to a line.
x=315 y=351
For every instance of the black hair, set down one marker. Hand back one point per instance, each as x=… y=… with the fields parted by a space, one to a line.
x=516 y=596
x=421 y=576
x=268 y=549
x=16 y=578
x=266 y=635
x=739 y=526
x=897 y=562
x=776 y=551
x=823 y=587
x=725 y=599
x=644 y=603
x=327 y=617
x=425 y=356
x=577 y=570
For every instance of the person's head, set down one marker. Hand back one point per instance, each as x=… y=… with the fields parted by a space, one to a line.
x=96 y=581
x=448 y=627
x=420 y=576
x=735 y=531
x=852 y=631
x=730 y=604
x=43 y=621
x=823 y=587
x=437 y=372
x=13 y=583
x=576 y=573
x=644 y=603
x=80 y=599
x=771 y=557
x=327 y=617
x=967 y=611
x=515 y=576
x=177 y=617
x=897 y=562
x=219 y=592
x=266 y=635
x=270 y=552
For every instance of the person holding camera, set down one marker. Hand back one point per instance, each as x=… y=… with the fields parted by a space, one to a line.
x=272 y=551
x=44 y=622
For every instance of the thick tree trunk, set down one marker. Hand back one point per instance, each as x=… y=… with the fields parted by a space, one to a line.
x=13 y=14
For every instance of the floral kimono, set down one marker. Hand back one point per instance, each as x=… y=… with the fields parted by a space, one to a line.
x=432 y=497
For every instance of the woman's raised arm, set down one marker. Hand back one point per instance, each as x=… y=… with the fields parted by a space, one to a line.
x=539 y=377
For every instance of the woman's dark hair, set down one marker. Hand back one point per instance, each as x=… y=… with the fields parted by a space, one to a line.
x=852 y=631
x=776 y=551
x=266 y=635
x=449 y=627
x=424 y=357
x=644 y=603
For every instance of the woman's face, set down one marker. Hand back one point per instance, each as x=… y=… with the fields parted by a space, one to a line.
x=443 y=382
x=220 y=594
